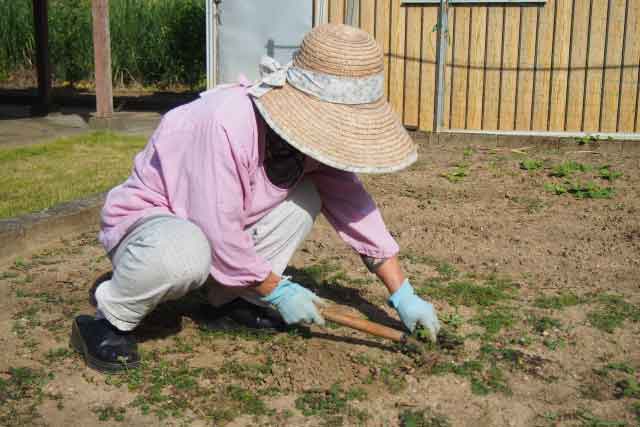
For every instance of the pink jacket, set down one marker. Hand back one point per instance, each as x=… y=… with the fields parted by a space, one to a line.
x=204 y=163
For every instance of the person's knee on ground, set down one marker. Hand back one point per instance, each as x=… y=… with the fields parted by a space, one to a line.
x=161 y=261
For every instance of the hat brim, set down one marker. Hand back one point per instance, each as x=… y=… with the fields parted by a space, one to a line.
x=364 y=138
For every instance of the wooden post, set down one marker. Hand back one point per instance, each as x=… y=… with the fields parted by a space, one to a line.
x=41 y=26
x=102 y=58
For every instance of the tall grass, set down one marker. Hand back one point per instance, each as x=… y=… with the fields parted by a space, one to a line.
x=152 y=41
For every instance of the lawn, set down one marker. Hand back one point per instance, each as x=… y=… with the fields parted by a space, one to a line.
x=37 y=177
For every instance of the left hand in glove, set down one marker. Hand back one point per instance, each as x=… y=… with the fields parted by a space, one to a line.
x=413 y=310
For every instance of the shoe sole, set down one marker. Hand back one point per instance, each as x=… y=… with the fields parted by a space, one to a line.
x=78 y=345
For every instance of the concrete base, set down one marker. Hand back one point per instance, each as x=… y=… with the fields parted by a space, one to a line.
x=32 y=232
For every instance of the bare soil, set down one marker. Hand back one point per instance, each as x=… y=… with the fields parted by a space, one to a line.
x=541 y=288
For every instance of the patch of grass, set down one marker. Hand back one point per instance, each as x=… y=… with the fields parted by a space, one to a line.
x=605 y=172
x=21 y=393
x=109 y=412
x=458 y=173
x=531 y=164
x=468 y=293
x=255 y=372
x=589 y=420
x=568 y=168
x=40 y=176
x=333 y=401
x=613 y=310
x=494 y=320
x=249 y=402
x=558 y=302
x=58 y=354
x=493 y=381
x=621 y=367
x=422 y=418
x=588 y=190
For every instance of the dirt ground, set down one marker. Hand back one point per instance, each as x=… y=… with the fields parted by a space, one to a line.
x=534 y=272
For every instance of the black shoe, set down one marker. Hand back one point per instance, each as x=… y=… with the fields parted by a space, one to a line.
x=104 y=347
x=241 y=313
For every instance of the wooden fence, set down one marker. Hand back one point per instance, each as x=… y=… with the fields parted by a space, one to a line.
x=567 y=65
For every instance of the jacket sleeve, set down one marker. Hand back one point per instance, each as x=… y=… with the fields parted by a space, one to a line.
x=208 y=182
x=353 y=213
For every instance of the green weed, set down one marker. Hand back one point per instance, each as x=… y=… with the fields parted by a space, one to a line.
x=327 y=402
x=458 y=173
x=613 y=310
x=531 y=164
x=106 y=413
x=558 y=302
x=249 y=402
x=494 y=320
x=588 y=190
x=469 y=294
x=605 y=172
x=422 y=418
x=568 y=168
x=590 y=420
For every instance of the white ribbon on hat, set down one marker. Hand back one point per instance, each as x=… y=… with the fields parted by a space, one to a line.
x=325 y=87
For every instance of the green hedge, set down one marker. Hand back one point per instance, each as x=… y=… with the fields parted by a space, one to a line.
x=152 y=41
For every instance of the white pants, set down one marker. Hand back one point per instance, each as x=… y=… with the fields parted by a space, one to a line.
x=165 y=257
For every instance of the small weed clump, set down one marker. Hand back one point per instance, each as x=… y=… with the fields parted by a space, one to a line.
x=568 y=168
x=588 y=190
x=612 y=312
x=331 y=402
x=531 y=164
x=422 y=418
x=543 y=323
x=20 y=394
x=558 y=302
x=458 y=173
x=605 y=172
x=106 y=413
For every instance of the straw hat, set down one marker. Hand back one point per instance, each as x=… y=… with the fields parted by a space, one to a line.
x=329 y=103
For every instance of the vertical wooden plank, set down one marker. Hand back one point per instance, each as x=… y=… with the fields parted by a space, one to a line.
x=43 y=66
x=428 y=71
x=595 y=61
x=449 y=69
x=493 y=66
x=560 y=64
x=631 y=63
x=509 y=67
x=609 y=115
x=397 y=62
x=367 y=15
x=476 y=67
x=543 y=67
x=412 y=71
x=102 y=58
x=336 y=11
x=578 y=60
x=529 y=21
x=461 y=60
x=383 y=13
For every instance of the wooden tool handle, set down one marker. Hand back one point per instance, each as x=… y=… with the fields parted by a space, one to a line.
x=365 y=326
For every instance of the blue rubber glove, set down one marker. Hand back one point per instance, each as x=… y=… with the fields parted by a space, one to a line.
x=295 y=303
x=413 y=310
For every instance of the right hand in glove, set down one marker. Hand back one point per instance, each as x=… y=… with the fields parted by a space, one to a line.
x=295 y=303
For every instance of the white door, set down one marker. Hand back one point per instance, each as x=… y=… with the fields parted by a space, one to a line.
x=249 y=29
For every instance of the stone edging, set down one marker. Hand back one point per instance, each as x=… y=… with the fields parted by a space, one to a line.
x=31 y=232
